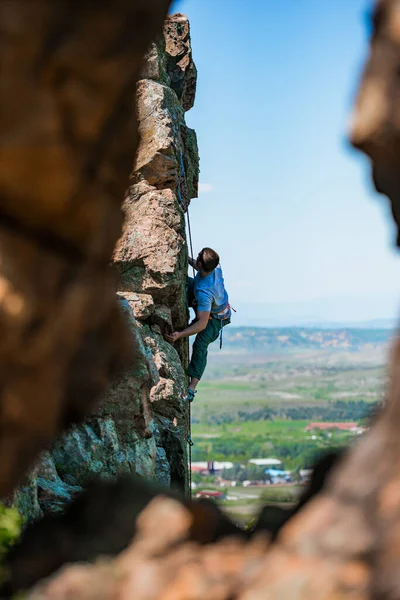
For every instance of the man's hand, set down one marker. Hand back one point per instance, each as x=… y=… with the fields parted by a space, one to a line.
x=202 y=321
x=173 y=337
x=196 y=327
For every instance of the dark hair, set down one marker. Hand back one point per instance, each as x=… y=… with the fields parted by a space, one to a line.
x=209 y=259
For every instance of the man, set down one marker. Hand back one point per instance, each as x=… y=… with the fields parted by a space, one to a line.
x=208 y=296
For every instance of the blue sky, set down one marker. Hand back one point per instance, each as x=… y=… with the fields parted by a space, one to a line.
x=284 y=200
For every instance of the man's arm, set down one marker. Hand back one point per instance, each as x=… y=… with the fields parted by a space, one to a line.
x=192 y=263
x=198 y=326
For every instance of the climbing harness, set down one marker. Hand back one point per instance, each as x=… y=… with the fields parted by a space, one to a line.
x=221 y=317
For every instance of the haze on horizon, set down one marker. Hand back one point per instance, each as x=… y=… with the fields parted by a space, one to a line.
x=283 y=198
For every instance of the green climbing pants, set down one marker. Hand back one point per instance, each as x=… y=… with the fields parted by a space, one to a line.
x=200 y=347
x=203 y=339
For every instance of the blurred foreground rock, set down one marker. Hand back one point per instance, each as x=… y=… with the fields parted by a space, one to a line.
x=160 y=564
x=376 y=121
x=161 y=567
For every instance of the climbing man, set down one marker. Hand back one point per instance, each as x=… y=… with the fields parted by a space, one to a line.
x=209 y=298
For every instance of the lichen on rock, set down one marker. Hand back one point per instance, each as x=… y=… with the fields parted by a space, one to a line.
x=141 y=424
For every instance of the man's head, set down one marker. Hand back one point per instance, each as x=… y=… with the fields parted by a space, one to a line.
x=207 y=260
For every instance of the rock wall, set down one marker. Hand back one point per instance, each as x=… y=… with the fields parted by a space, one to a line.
x=141 y=425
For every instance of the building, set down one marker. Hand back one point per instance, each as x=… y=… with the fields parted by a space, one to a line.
x=211 y=467
x=214 y=494
x=353 y=427
x=305 y=474
x=199 y=470
x=248 y=483
x=277 y=475
x=226 y=482
x=200 y=467
x=220 y=466
x=265 y=462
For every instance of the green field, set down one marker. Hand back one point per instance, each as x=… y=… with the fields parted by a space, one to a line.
x=255 y=428
x=287 y=440
x=261 y=391
x=235 y=382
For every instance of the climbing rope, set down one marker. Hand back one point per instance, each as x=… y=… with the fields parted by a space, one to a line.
x=185 y=208
x=190 y=239
x=190 y=445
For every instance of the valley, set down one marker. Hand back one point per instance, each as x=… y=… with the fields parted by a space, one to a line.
x=265 y=388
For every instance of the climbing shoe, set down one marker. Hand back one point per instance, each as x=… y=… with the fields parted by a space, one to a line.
x=191 y=394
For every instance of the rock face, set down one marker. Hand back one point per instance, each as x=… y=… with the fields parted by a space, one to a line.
x=141 y=425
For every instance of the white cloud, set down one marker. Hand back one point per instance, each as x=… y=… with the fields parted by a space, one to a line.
x=204 y=188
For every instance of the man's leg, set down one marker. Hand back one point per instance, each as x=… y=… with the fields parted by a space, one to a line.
x=193 y=383
x=200 y=351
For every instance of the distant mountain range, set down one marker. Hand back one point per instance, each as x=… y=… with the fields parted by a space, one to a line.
x=272 y=339
x=390 y=324
x=379 y=311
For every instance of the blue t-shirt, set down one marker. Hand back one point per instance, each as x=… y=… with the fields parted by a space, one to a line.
x=210 y=292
